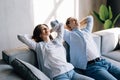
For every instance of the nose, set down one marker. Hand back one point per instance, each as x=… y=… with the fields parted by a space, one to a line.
x=47 y=30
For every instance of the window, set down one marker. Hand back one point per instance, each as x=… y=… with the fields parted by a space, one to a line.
x=47 y=10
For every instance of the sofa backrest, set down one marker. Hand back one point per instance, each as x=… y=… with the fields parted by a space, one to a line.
x=22 y=53
x=66 y=45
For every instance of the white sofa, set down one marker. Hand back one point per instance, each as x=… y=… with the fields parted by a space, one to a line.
x=107 y=42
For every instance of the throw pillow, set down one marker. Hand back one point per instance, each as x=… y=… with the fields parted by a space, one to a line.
x=28 y=71
x=119 y=40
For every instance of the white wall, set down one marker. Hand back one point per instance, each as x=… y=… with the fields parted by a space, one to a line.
x=16 y=17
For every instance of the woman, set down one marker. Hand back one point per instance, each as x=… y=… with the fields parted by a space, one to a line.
x=53 y=52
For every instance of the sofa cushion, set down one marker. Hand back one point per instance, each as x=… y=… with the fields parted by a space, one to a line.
x=119 y=41
x=28 y=71
x=116 y=63
x=7 y=72
x=115 y=55
x=108 y=43
x=23 y=53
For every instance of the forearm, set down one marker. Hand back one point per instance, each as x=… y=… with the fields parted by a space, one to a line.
x=27 y=40
x=59 y=28
x=60 y=31
x=88 y=21
x=83 y=21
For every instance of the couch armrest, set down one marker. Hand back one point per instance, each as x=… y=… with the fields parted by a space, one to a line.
x=7 y=72
x=24 y=54
x=109 y=39
x=97 y=40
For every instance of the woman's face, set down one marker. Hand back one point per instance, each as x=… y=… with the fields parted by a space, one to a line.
x=45 y=31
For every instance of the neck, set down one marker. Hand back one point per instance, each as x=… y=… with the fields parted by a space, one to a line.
x=68 y=28
x=46 y=39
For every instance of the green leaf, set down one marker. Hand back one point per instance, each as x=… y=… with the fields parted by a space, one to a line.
x=116 y=18
x=103 y=13
x=110 y=13
x=98 y=18
x=108 y=24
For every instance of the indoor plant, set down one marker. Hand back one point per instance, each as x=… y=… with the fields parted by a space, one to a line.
x=105 y=16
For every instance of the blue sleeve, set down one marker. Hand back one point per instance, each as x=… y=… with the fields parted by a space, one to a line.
x=89 y=25
x=27 y=40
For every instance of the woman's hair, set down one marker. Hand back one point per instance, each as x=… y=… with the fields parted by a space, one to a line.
x=37 y=32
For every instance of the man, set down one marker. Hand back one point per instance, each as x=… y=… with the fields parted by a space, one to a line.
x=84 y=53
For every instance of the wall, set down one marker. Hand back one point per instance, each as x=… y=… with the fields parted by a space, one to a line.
x=16 y=17
x=115 y=5
x=86 y=7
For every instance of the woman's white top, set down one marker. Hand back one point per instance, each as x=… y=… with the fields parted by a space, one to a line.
x=54 y=53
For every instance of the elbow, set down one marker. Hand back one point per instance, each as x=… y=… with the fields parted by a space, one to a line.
x=90 y=19
x=18 y=37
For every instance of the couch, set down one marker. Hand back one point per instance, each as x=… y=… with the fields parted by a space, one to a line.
x=107 y=41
